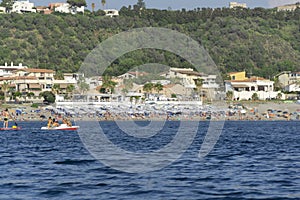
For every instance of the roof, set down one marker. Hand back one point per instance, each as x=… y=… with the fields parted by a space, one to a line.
x=18 y=78
x=188 y=72
x=33 y=70
x=251 y=79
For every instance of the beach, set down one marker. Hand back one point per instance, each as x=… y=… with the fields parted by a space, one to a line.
x=251 y=111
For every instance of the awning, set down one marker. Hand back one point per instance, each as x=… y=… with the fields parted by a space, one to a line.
x=240 y=86
x=34 y=86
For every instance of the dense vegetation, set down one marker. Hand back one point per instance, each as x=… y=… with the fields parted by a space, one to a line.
x=261 y=41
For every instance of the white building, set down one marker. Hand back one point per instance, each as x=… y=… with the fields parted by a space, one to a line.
x=111 y=12
x=289 y=80
x=289 y=7
x=7 y=70
x=66 y=8
x=244 y=89
x=23 y=7
x=237 y=5
x=2 y=10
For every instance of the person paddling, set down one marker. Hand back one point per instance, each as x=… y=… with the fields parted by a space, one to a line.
x=6 y=116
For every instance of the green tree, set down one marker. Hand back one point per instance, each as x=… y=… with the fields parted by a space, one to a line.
x=148 y=87
x=229 y=95
x=76 y=3
x=158 y=87
x=56 y=89
x=199 y=84
x=83 y=87
x=7 y=4
x=59 y=75
x=5 y=89
x=108 y=84
x=48 y=96
x=70 y=89
x=254 y=96
x=103 y=2
x=140 y=5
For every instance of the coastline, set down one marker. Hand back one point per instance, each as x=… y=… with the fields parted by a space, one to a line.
x=249 y=111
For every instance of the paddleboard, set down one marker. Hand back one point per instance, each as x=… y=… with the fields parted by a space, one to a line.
x=10 y=129
x=61 y=127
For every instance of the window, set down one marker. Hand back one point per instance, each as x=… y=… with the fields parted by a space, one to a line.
x=233 y=77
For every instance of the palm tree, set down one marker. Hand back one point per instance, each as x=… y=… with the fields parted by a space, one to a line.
x=4 y=89
x=84 y=87
x=158 y=87
x=109 y=84
x=70 y=89
x=56 y=88
x=103 y=2
x=199 y=84
x=229 y=95
x=148 y=87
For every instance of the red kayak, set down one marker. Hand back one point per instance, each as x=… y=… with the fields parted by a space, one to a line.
x=10 y=129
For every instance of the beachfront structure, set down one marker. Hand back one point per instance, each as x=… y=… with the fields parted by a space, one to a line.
x=289 y=7
x=7 y=70
x=23 y=7
x=65 y=8
x=2 y=10
x=188 y=78
x=237 y=75
x=35 y=80
x=111 y=12
x=237 y=5
x=245 y=89
x=288 y=80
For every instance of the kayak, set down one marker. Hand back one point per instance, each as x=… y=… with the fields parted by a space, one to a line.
x=10 y=129
x=61 y=127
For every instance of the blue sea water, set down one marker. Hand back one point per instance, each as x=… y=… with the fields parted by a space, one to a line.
x=251 y=160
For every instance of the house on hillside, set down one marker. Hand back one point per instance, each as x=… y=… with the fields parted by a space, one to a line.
x=289 y=81
x=23 y=7
x=2 y=10
x=188 y=78
x=7 y=70
x=66 y=8
x=111 y=12
x=237 y=5
x=243 y=88
x=289 y=7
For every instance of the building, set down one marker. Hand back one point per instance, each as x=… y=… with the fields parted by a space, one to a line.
x=111 y=12
x=23 y=7
x=188 y=78
x=7 y=70
x=43 y=10
x=2 y=10
x=289 y=7
x=65 y=8
x=237 y=5
x=244 y=89
x=237 y=76
x=289 y=81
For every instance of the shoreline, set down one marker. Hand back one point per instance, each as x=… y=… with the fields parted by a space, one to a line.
x=250 y=111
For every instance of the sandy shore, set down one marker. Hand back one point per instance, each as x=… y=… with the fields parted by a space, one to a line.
x=247 y=111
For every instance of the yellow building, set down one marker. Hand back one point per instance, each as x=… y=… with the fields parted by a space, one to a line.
x=238 y=76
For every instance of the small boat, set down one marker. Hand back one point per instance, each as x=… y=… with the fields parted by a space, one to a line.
x=13 y=128
x=61 y=127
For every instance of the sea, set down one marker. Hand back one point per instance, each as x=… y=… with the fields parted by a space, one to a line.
x=251 y=160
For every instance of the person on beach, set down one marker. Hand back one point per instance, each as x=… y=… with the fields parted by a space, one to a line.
x=5 y=113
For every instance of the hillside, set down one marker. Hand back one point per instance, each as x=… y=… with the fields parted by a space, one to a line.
x=261 y=41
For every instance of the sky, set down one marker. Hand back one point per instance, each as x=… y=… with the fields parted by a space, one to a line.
x=176 y=4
